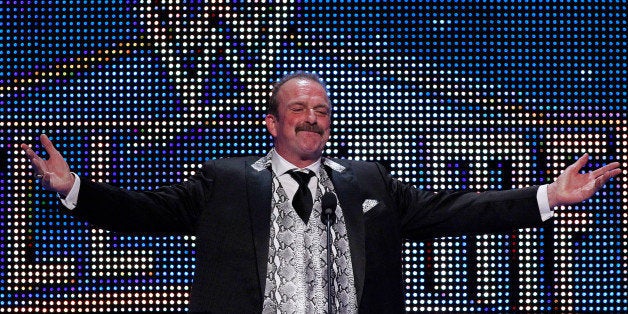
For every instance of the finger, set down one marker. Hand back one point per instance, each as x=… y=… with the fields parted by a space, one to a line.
x=605 y=177
x=36 y=162
x=38 y=165
x=576 y=166
x=610 y=174
x=599 y=182
x=29 y=151
x=608 y=168
x=48 y=146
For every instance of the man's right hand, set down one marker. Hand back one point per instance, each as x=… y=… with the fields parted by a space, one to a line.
x=54 y=173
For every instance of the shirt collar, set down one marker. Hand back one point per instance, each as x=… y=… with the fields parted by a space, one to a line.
x=281 y=165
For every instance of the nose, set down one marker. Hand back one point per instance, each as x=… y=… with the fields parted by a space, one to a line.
x=311 y=115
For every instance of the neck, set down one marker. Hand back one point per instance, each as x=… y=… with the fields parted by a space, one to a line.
x=298 y=162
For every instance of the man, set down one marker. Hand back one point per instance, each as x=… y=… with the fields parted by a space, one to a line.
x=256 y=253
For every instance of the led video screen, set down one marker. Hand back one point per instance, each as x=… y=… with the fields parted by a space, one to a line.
x=465 y=95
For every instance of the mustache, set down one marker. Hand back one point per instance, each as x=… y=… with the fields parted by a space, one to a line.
x=309 y=128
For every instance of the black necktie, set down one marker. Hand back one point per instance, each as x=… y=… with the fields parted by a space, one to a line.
x=302 y=200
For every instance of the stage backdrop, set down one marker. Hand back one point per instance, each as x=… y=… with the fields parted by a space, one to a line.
x=473 y=95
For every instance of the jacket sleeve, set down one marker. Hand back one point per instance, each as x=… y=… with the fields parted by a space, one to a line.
x=426 y=214
x=170 y=209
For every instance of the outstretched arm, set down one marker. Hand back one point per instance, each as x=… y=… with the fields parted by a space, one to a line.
x=571 y=186
x=54 y=173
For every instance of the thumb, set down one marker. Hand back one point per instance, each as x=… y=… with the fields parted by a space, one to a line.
x=576 y=166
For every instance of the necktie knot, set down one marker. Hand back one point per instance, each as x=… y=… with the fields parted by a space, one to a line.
x=302 y=177
x=302 y=200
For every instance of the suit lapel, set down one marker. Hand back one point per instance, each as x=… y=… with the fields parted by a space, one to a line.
x=259 y=187
x=350 y=200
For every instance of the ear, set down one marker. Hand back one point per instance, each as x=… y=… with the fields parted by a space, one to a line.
x=271 y=124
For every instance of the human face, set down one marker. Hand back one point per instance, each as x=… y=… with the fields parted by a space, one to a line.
x=303 y=121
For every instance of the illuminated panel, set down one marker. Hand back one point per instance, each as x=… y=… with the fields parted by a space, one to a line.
x=446 y=94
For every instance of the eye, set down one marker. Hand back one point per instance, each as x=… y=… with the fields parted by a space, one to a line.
x=297 y=109
x=321 y=110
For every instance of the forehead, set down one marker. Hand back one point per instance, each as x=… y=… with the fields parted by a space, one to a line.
x=302 y=88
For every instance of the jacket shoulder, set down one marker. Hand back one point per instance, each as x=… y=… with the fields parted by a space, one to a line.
x=362 y=165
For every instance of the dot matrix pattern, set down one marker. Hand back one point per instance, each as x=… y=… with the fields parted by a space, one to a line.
x=447 y=94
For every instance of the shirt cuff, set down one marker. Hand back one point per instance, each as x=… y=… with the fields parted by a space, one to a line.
x=71 y=199
x=543 y=200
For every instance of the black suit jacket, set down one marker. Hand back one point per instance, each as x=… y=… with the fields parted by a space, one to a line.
x=227 y=206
